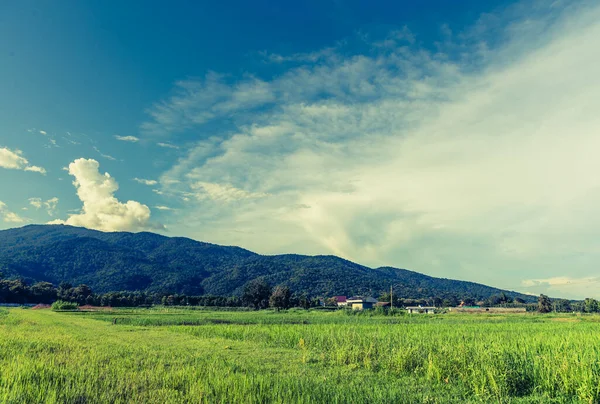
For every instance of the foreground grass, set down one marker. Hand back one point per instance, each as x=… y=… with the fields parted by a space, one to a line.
x=163 y=356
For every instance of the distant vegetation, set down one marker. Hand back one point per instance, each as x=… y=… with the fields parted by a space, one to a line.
x=158 y=265
x=256 y=294
x=61 y=305
x=173 y=355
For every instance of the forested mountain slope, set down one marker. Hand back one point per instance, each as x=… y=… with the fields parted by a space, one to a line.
x=155 y=263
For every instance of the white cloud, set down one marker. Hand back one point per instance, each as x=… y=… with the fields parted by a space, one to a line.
x=222 y=192
x=166 y=208
x=167 y=145
x=8 y=216
x=476 y=161
x=43 y=132
x=101 y=209
x=36 y=169
x=145 y=182
x=14 y=160
x=106 y=156
x=36 y=202
x=51 y=205
x=131 y=139
x=564 y=285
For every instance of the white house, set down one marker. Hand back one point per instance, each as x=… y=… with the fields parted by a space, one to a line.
x=420 y=310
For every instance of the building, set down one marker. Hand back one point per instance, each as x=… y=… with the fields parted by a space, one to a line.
x=341 y=301
x=360 y=302
x=420 y=310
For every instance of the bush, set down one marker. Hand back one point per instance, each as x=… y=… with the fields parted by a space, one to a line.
x=61 y=305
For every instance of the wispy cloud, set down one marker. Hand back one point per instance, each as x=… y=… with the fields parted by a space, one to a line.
x=10 y=217
x=50 y=205
x=145 y=181
x=472 y=161
x=164 y=208
x=222 y=192
x=106 y=156
x=14 y=160
x=167 y=145
x=131 y=139
x=571 y=287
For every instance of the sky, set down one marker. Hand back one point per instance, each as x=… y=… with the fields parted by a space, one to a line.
x=455 y=139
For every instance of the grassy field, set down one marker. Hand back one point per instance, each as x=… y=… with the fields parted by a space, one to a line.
x=178 y=356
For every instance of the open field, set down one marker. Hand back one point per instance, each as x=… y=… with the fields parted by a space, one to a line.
x=177 y=355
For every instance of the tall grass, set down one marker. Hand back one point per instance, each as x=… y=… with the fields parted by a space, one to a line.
x=175 y=355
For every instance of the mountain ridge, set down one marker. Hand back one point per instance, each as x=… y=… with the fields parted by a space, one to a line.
x=151 y=262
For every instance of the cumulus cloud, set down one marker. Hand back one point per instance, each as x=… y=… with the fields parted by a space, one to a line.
x=131 y=139
x=473 y=161
x=8 y=216
x=14 y=160
x=145 y=182
x=101 y=209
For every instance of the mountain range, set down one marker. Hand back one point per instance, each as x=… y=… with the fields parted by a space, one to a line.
x=122 y=261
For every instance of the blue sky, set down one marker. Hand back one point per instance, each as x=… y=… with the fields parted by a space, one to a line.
x=457 y=139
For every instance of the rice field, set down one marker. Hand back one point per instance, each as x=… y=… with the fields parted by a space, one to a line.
x=202 y=356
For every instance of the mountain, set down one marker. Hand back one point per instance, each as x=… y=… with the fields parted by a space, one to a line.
x=150 y=262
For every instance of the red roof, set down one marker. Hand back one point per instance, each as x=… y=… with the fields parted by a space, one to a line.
x=340 y=299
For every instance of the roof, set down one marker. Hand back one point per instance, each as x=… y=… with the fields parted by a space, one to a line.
x=340 y=299
x=361 y=299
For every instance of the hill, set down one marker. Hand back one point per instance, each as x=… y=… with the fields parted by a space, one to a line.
x=150 y=262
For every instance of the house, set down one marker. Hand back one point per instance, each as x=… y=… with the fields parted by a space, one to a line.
x=341 y=301
x=360 y=302
x=420 y=310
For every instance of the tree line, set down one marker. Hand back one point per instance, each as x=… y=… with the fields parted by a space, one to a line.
x=257 y=294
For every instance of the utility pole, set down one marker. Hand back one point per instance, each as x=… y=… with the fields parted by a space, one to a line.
x=391 y=297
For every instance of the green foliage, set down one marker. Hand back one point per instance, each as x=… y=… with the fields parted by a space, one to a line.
x=257 y=293
x=281 y=298
x=591 y=305
x=544 y=304
x=154 y=264
x=61 y=305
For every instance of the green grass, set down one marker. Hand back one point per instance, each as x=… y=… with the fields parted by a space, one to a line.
x=177 y=355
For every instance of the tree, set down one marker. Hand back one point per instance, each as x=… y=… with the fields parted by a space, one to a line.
x=280 y=298
x=544 y=304
x=563 y=306
x=303 y=301
x=80 y=293
x=257 y=293
x=43 y=292
x=591 y=305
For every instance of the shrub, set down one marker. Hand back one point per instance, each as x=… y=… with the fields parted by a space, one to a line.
x=61 y=305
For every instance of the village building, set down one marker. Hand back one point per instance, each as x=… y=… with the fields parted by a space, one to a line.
x=420 y=310
x=341 y=301
x=361 y=303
